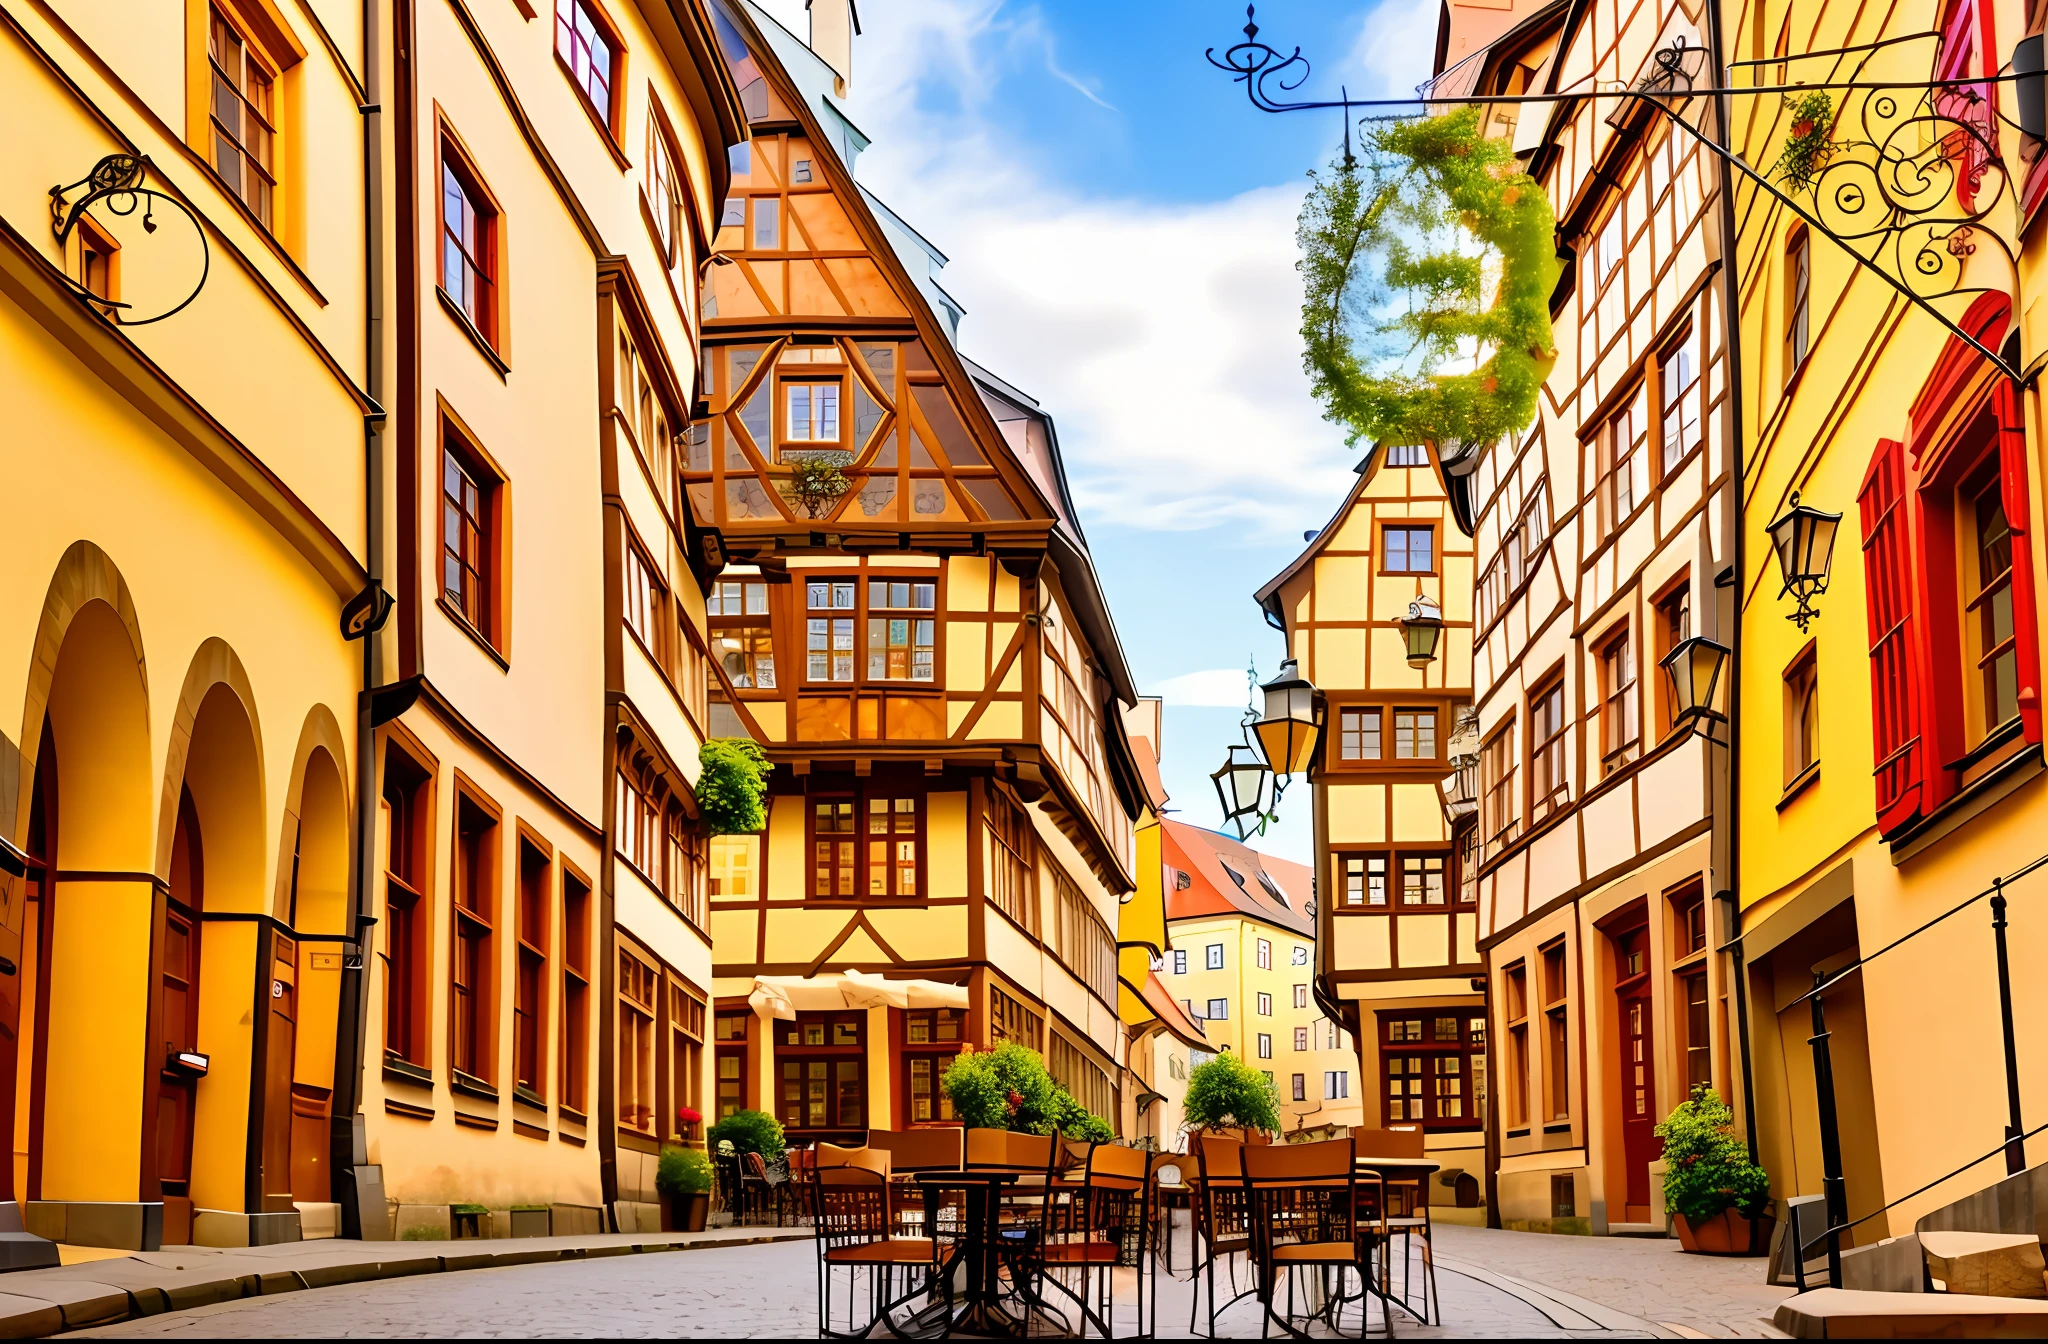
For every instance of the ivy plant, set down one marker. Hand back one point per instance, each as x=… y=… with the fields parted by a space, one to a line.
x=1707 y=1169
x=1429 y=250
x=1809 y=144
x=731 y=790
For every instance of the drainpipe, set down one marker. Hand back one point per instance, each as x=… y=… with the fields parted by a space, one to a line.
x=1731 y=320
x=346 y=1152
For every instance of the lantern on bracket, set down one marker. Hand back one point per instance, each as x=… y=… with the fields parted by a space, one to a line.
x=1241 y=787
x=1287 y=730
x=1694 y=666
x=1423 y=627
x=1804 y=538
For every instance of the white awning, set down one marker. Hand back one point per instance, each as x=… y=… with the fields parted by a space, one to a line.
x=784 y=996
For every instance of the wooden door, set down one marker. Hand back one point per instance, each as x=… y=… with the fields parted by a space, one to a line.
x=1636 y=1063
x=177 y=1089
x=280 y=1050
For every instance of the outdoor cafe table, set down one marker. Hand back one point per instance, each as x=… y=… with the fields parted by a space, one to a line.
x=981 y=1313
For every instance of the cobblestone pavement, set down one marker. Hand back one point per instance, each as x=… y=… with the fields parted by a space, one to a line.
x=1494 y=1284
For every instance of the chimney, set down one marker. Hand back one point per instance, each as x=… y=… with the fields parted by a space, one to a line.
x=833 y=26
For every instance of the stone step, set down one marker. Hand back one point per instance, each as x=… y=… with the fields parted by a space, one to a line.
x=1988 y=1264
x=1844 y=1313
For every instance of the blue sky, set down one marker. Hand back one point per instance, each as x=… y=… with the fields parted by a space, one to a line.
x=1120 y=226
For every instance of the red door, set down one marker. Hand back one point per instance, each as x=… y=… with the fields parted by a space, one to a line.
x=1638 y=1092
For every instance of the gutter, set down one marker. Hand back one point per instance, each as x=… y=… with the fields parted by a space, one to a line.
x=347 y=1148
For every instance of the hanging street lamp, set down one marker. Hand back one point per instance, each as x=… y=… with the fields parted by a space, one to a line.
x=1804 y=538
x=1423 y=626
x=1694 y=666
x=1241 y=787
x=1287 y=731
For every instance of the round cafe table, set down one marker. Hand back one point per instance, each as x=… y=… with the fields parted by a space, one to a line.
x=981 y=1312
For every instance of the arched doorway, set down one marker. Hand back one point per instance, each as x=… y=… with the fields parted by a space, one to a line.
x=86 y=968
x=181 y=1069
x=299 y=1085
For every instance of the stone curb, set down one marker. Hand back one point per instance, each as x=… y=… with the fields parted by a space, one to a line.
x=34 y=1303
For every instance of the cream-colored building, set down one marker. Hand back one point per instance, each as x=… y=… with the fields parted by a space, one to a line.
x=1242 y=965
x=1602 y=534
x=1397 y=924
x=908 y=621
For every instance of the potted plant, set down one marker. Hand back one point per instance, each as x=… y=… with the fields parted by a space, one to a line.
x=1225 y=1092
x=683 y=1179
x=1718 y=1199
x=750 y=1132
x=1008 y=1087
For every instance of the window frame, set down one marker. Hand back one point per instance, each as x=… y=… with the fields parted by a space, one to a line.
x=461 y=447
x=1797 y=346
x=1801 y=717
x=859 y=838
x=1686 y=342
x=1673 y=599
x=491 y=336
x=1500 y=762
x=408 y=925
x=1428 y=1050
x=1406 y=528
x=532 y=941
x=1553 y=749
x=1377 y=732
x=663 y=148
x=607 y=120
x=1620 y=711
x=268 y=43
x=474 y=921
x=578 y=940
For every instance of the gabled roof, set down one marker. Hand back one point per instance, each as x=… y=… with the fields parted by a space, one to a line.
x=1226 y=877
x=1448 y=474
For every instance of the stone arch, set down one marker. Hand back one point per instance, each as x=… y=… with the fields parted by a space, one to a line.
x=88 y=598
x=88 y=776
x=316 y=821
x=225 y=777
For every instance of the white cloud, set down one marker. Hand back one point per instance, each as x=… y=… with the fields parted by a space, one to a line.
x=1395 y=46
x=1163 y=338
x=1215 y=688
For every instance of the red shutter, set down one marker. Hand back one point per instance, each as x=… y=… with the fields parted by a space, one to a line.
x=1887 y=574
x=2012 y=464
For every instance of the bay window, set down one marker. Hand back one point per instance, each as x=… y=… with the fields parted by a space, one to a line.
x=869 y=846
x=829 y=621
x=741 y=635
x=902 y=630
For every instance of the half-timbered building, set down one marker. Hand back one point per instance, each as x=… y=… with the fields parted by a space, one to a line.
x=908 y=622
x=1396 y=919
x=1601 y=538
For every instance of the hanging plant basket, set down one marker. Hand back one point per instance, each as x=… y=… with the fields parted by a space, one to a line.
x=1430 y=250
x=731 y=790
x=1810 y=143
x=816 y=481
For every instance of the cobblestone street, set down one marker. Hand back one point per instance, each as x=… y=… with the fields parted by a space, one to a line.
x=1494 y=1284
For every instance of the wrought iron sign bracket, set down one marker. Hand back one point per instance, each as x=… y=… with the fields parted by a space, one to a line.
x=1908 y=191
x=117 y=182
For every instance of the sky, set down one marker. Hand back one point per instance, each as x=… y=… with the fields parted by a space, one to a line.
x=1120 y=227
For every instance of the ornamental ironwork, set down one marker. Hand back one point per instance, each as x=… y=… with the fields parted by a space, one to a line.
x=1911 y=182
x=116 y=183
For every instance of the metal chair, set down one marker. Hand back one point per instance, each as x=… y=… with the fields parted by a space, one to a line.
x=1103 y=1221
x=1220 y=1218
x=849 y=1191
x=940 y=1148
x=1411 y=1224
x=1310 y=1209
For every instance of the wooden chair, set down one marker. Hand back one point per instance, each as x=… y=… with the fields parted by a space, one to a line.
x=1105 y=1221
x=1026 y=1209
x=849 y=1190
x=766 y=1186
x=1404 y=1214
x=940 y=1148
x=1219 y=1218
x=1310 y=1209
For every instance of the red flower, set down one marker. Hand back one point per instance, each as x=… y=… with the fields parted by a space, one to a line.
x=1015 y=1100
x=688 y=1115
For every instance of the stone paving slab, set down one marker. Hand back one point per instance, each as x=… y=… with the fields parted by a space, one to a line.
x=184 y=1279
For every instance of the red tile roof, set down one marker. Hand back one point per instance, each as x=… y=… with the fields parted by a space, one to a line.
x=1224 y=877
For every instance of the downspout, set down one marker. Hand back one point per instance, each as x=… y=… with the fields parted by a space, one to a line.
x=347 y=1152
x=1732 y=322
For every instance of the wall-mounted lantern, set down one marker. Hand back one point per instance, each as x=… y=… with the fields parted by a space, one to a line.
x=1694 y=666
x=1804 y=538
x=1423 y=626
x=1241 y=787
x=1287 y=730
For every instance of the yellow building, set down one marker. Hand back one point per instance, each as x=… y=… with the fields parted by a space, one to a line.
x=1890 y=750
x=178 y=754
x=909 y=624
x=1397 y=927
x=1602 y=535
x=1241 y=964
x=542 y=975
